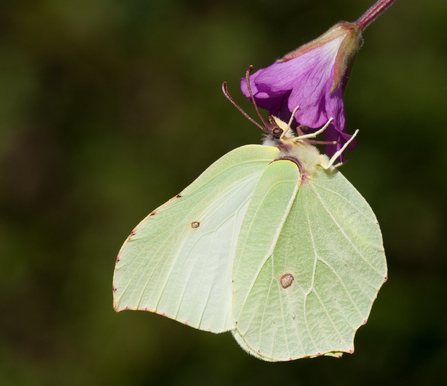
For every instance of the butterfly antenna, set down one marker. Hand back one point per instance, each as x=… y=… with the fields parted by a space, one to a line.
x=270 y=127
x=247 y=79
x=228 y=96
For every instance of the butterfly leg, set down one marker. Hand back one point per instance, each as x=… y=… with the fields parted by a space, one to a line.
x=338 y=153
x=313 y=135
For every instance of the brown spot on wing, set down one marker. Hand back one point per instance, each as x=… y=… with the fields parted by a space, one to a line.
x=286 y=280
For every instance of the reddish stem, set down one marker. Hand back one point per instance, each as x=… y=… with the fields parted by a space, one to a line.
x=371 y=14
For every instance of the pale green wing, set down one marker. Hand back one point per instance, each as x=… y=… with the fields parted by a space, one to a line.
x=178 y=260
x=240 y=340
x=331 y=246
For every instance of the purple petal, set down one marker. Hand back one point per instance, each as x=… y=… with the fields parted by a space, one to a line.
x=304 y=81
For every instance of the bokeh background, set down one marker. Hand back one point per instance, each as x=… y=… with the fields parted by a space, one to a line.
x=110 y=107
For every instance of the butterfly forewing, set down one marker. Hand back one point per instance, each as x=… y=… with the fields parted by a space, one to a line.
x=178 y=261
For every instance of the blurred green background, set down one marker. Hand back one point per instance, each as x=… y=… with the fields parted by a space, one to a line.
x=108 y=108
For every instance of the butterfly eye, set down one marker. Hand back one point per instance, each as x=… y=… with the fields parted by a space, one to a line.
x=195 y=224
x=277 y=132
x=286 y=280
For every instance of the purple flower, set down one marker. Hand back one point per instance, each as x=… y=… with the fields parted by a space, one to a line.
x=312 y=77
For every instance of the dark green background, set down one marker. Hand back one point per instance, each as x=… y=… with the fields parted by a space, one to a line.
x=110 y=107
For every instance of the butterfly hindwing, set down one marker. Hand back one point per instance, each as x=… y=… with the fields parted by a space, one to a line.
x=306 y=292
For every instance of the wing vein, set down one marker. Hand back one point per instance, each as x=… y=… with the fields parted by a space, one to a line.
x=329 y=317
x=343 y=232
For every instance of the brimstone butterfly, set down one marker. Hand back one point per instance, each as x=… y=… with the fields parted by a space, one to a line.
x=271 y=243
